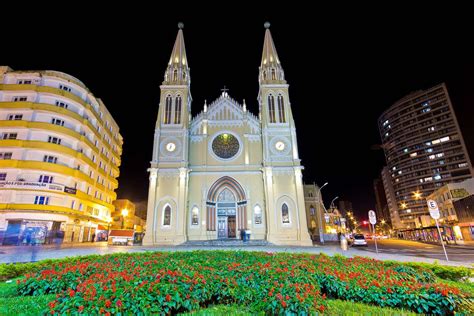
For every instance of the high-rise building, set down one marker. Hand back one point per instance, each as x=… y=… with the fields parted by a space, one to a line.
x=60 y=154
x=344 y=207
x=424 y=149
x=391 y=199
x=381 y=205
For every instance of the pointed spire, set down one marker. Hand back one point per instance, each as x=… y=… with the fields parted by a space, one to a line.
x=271 y=70
x=178 y=70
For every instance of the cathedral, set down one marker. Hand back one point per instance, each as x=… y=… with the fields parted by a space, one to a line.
x=225 y=170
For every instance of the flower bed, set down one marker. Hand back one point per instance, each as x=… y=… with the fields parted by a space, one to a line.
x=275 y=283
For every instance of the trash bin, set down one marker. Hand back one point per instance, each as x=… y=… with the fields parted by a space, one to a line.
x=247 y=235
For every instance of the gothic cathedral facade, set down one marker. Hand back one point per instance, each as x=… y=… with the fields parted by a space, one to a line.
x=226 y=169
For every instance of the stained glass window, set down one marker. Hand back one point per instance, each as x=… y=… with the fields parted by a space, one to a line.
x=225 y=146
x=285 y=215
x=167 y=216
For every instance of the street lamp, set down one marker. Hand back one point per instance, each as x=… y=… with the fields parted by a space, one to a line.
x=321 y=238
x=332 y=203
x=124 y=214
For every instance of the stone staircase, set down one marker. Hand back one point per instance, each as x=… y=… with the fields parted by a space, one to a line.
x=227 y=243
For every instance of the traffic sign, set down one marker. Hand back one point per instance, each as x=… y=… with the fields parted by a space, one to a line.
x=433 y=208
x=372 y=217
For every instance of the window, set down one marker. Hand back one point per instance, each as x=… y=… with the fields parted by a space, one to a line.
x=57 y=121
x=3 y=176
x=285 y=214
x=257 y=213
x=20 y=99
x=175 y=75
x=50 y=159
x=9 y=135
x=281 y=109
x=195 y=216
x=24 y=81
x=45 y=179
x=273 y=74
x=6 y=156
x=311 y=210
x=65 y=88
x=168 y=110
x=15 y=117
x=73 y=203
x=177 y=111
x=167 y=216
x=42 y=200
x=61 y=104
x=54 y=140
x=271 y=108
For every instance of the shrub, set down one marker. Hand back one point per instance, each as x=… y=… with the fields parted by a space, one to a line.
x=444 y=272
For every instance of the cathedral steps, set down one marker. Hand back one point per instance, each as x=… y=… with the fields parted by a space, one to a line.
x=227 y=243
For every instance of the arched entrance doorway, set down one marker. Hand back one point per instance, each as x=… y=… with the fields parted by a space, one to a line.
x=226 y=208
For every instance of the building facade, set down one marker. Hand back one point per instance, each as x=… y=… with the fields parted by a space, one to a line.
x=59 y=158
x=391 y=199
x=381 y=205
x=465 y=213
x=225 y=170
x=314 y=211
x=125 y=216
x=446 y=196
x=424 y=149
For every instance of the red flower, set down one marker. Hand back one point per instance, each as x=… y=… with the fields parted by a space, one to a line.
x=283 y=303
x=321 y=308
x=168 y=297
x=119 y=303
x=71 y=293
x=108 y=303
x=80 y=308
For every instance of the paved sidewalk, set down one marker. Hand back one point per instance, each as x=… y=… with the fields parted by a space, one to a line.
x=35 y=253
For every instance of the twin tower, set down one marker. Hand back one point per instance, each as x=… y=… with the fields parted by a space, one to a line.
x=225 y=170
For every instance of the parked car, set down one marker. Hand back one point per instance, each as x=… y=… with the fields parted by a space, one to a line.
x=359 y=240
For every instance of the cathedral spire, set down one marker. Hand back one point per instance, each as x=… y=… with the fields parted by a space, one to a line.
x=271 y=70
x=177 y=72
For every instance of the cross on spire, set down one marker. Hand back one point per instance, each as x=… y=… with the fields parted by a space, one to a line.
x=224 y=92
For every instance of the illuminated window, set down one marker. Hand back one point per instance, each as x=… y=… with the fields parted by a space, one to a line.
x=257 y=213
x=413 y=154
x=168 y=106
x=437 y=177
x=311 y=210
x=285 y=214
x=281 y=109
x=42 y=200
x=177 y=112
x=462 y=165
x=167 y=216
x=385 y=123
x=271 y=108
x=195 y=216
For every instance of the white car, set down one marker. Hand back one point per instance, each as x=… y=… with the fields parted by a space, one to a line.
x=359 y=240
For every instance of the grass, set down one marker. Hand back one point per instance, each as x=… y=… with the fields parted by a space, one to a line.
x=11 y=304
x=335 y=308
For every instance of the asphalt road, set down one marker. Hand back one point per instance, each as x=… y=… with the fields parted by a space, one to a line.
x=417 y=249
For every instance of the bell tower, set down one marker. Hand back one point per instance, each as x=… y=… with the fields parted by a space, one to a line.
x=167 y=193
x=285 y=205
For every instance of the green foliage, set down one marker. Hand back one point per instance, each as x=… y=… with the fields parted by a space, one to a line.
x=444 y=272
x=272 y=283
x=338 y=307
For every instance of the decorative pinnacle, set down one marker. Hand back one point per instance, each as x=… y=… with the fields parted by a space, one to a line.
x=180 y=25
x=267 y=25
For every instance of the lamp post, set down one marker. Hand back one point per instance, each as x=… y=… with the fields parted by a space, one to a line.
x=321 y=237
x=124 y=214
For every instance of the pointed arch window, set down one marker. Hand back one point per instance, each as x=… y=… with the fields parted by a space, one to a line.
x=257 y=211
x=311 y=210
x=273 y=74
x=167 y=216
x=281 y=109
x=177 y=110
x=168 y=105
x=271 y=108
x=285 y=214
x=175 y=75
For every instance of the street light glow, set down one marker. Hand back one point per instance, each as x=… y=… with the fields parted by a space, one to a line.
x=417 y=195
x=125 y=212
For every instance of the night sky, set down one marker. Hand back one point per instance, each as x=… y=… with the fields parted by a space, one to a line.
x=344 y=67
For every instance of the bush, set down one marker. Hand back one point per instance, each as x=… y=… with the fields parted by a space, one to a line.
x=275 y=283
x=444 y=272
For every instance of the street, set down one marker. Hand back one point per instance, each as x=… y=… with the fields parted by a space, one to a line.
x=418 y=249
